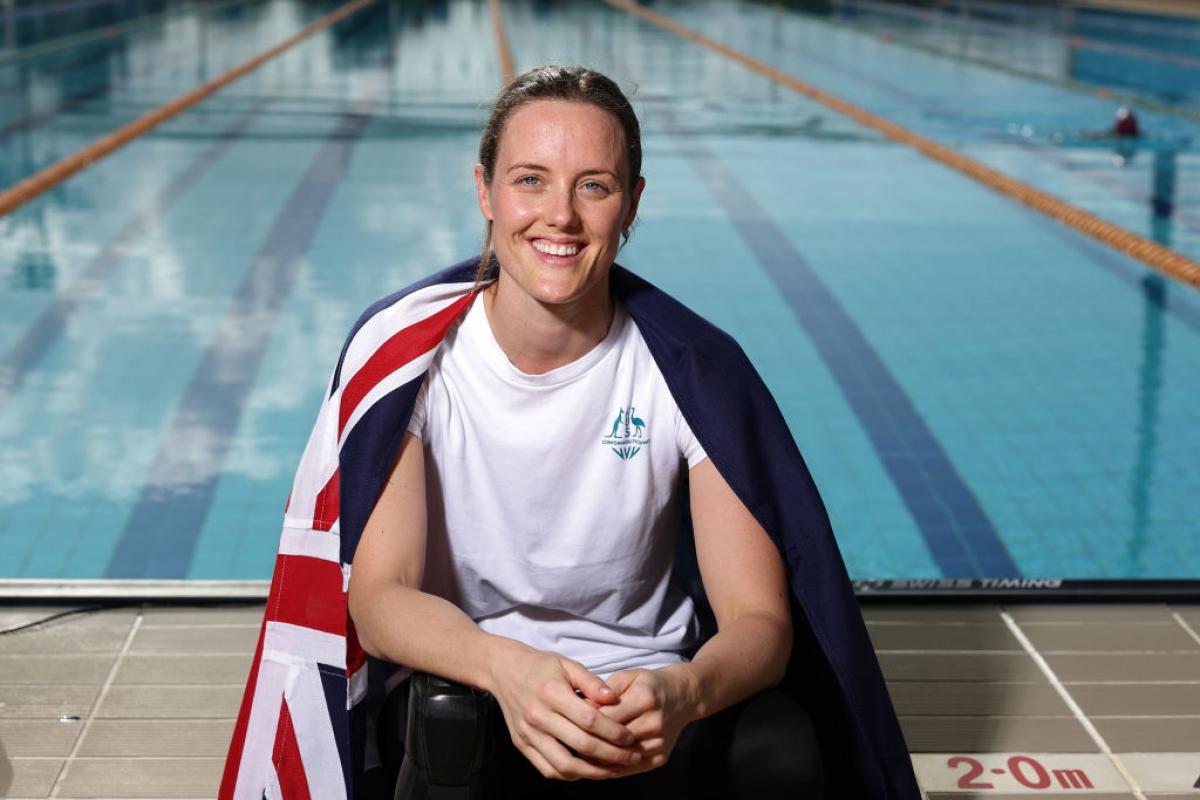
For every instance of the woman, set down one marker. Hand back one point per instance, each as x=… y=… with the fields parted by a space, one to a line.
x=520 y=538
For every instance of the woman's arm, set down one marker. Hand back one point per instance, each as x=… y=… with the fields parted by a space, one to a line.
x=394 y=620
x=398 y=622
x=746 y=585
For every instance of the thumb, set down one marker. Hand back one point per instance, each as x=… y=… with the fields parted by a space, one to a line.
x=592 y=687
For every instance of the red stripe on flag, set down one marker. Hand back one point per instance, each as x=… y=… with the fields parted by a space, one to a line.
x=355 y=655
x=286 y=757
x=328 y=504
x=307 y=591
x=233 y=761
x=397 y=351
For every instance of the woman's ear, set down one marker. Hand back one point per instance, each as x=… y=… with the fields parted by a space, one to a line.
x=635 y=197
x=482 y=193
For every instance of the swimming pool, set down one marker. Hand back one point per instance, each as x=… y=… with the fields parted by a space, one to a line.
x=979 y=391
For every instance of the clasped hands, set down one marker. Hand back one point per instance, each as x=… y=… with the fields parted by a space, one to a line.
x=628 y=725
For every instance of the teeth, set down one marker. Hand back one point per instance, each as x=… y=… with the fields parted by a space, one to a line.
x=556 y=249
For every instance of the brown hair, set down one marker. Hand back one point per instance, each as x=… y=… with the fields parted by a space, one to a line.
x=551 y=82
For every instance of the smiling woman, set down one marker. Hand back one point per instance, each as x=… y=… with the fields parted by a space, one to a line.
x=523 y=455
x=557 y=196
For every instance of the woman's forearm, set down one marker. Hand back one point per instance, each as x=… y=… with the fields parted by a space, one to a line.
x=424 y=632
x=748 y=655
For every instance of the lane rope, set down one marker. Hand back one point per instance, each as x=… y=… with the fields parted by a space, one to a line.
x=502 y=48
x=1107 y=93
x=1147 y=251
x=23 y=191
x=98 y=34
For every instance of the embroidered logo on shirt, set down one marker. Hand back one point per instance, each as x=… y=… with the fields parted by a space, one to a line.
x=628 y=435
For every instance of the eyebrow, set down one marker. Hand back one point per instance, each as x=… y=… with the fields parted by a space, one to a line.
x=540 y=168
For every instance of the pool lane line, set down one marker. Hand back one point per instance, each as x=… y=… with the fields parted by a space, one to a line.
x=29 y=188
x=503 y=51
x=99 y=34
x=164 y=526
x=1104 y=93
x=957 y=531
x=1150 y=253
x=23 y=357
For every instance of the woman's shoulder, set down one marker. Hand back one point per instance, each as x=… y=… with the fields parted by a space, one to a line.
x=425 y=309
x=671 y=329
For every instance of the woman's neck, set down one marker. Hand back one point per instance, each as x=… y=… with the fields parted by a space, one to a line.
x=538 y=337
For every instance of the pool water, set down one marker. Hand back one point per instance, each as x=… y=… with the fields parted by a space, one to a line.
x=978 y=390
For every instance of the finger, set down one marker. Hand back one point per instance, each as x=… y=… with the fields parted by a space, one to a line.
x=587 y=719
x=564 y=765
x=592 y=687
x=539 y=762
x=632 y=705
x=591 y=747
x=647 y=726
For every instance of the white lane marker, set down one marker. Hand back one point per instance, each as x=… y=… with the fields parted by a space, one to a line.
x=1070 y=701
x=1191 y=632
x=108 y=682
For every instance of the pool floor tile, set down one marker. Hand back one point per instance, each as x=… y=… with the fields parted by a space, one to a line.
x=1113 y=637
x=1082 y=612
x=196 y=639
x=35 y=701
x=952 y=636
x=1148 y=734
x=959 y=667
x=170 y=702
x=63 y=668
x=185 y=738
x=28 y=777
x=173 y=669
x=961 y=734
x=975 y=699
x=149 y=778
x=1139 y=667
x=1109 y=700
x=25 y=737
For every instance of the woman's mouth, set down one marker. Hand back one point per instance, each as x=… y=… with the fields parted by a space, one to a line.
x=556 y=253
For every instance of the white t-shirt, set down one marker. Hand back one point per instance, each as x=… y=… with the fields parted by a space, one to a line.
x=552 y=499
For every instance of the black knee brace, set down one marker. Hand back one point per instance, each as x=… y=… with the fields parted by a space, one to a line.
x=447 y=741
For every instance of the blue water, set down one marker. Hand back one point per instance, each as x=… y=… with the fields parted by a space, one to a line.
x=978 y=390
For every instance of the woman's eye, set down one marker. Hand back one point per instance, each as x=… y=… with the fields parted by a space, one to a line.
x=528 y=180
x=595 y=186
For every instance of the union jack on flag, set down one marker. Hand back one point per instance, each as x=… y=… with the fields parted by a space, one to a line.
x=292 y=735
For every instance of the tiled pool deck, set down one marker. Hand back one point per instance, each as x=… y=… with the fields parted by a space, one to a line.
x=140 y=701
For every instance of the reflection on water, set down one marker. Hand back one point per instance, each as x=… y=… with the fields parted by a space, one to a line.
x=34 y=270
x=1150 y=378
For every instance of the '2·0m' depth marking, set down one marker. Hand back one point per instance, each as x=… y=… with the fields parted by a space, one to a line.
x=1026 y=770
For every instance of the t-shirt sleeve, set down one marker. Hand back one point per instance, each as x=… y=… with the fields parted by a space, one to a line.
x=416 y=423
x=689 y=445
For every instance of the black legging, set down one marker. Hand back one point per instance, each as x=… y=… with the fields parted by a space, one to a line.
x=762 y=748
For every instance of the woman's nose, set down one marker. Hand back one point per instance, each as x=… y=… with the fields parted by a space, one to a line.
x=561 y=210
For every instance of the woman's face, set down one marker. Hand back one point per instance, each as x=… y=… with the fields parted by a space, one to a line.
x=559 y=198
